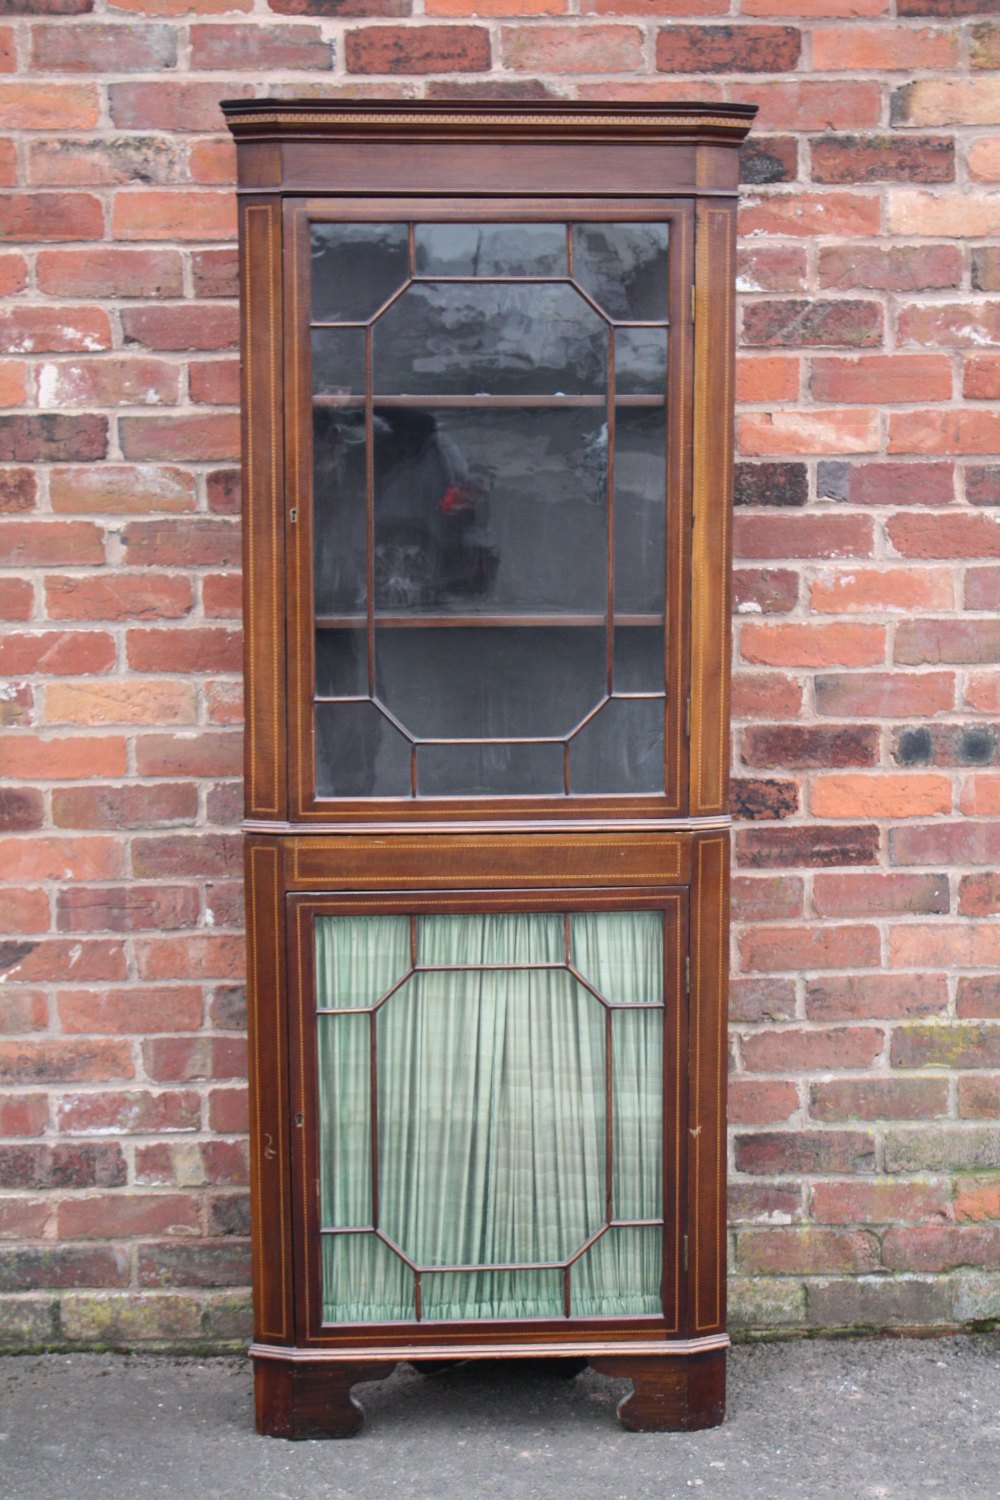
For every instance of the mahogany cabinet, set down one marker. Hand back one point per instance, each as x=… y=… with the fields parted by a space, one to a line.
x=487 y=398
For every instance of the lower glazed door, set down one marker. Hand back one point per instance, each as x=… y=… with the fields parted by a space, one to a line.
x=489 y=1096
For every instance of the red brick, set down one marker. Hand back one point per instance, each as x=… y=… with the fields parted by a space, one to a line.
x=195 y=649
x=884 y=695
x=853 y=9
x=793 y=1050
x=842 y=1100
x=768 y=377
x=214 y=273
x=887 y=378
x=728 y=49
x=23 y=1010
x=986 y=268
x=981 y=377
x=107 y=271
x=128 y=1113
x=60 y=1061
x=178 y=328
x=927 y=1248
x=53 y=438
x=31 y=757
x=759 y=798
x=882 y=48
x=128 y=1215
x=840 y=214
x=23 y=1114
x=977 y=1199
x=982 y=691
x=764 y=1202
x=949 y=325
x=947 y=945
x=769 y=158
x=930 y=642
x=766 y=898
x=212 y=161
x=209 y=753
x=37 y=330
x=806 y=1251
x=784 y=949
x=885 y=795
x=205 y=1263
x=13 y=273
x=944 y=431
x=215 y=382
x=792 y=536
x=90 y=47
x=908 y=268
x=763 y=695
x=431 y=49
x=915 y=211
x=812 y=644
x=806 y=432
x=42 y=960
x=771 y=484
x=17 y=598
x=794 y=746
x=882 y=158
x=259 y=47
x=172 y=105
x=802 y=323
x=870 y=590
x=174 y=214
x=882 y=1202
x=200 y=956
x=56 y=653
x=66 y=1165
x=771 y=268
x=17 y=703
x=51 y=216
x=31 y=1267
x=983 y=160
x=804 y=1152
x=979 y=1098
x=23 y=1218
x=118 y=596
x=49 y=106
x=130 y=701
x=875 y=997
x=806 y=847
x=183 y=543
x=129 y=908
x=956 y=843
x=982 y=484
x=107 y=161
x=979 y=895
x=114 y=1012
x=222 y=595
x=755 y=998
x=124 y=806
x=755 y=1103
x=223 y=803
x=222 y=491
x=185 y=1059
x=118 y=489
x=228 y=1111
x=108 y=382
x=765 y=591
x=859 y=895
x=180 y=855
x=189 y=439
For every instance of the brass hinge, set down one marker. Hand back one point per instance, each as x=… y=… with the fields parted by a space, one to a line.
x=685 y=1252
x=687 y=974
x=687 y=717
x=694 y=300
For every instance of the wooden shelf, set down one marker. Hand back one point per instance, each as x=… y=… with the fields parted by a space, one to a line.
x=483 y=622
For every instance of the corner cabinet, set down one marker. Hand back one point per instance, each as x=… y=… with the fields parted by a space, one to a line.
x=487 y=398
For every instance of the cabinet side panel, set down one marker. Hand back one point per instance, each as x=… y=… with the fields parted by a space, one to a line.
x=263 y=550
x=712 y=529
x=708 y=1056
x=269 y=1146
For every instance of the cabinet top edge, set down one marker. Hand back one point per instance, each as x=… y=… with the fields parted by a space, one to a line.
x=725 y=124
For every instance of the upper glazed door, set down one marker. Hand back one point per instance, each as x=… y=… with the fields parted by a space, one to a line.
x=488 y=410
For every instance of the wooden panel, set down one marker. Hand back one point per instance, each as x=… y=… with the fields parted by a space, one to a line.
x=452 y=861
x=269 y=1143
x=263 y=550
x=712 y=529
x=708 y=1057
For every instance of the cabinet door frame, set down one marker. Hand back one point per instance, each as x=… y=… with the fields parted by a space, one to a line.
x=301 y=912
x=304 y=806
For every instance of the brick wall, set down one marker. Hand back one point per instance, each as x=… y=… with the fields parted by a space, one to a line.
x=866 y=1038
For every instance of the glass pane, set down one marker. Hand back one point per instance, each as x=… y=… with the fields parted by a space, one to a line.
x=620 y=954
x=468 y=339
x=345 y=1149
x=640 y=509
x=491 y=1114
x=639 y=663
x=637 y=1067
x=492 y=1294
x=619 y=1276
x=358 y=960
x=459 y=493
x=338 y=362
x=620 y=749
x=355 y=267
x=339 y=528
x=510 y=938
x=483 y=770
x=365 y=1282
x=624 y=268
x=359 y=753
x=640 y=361
x=342 y=663
x=490 y=249
x=454 y=682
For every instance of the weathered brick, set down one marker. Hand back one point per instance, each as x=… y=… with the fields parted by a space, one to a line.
x=451 y=49
x=771 y=484
x=879 y=1303
x=109 y=806
x=793 y=1050
x=804 y=1152
x=755 y=998
x=979 y=896
x=908 y=268
x=728 y=49
x=818 y=536
x=859 y=895
x=882 y=1202
x=765 y=591
x=875 y=997
x=88 y=48
x=930 y=642
x=887 y=378
x=842 y=1100
x=883 y=158
x=796 y=1252
x=806 y=847
x=53 y=438
x=808 y=323
x=128 y=908
x=889 y=695
x=773 y=158
x=107 y=161
x=785 y=949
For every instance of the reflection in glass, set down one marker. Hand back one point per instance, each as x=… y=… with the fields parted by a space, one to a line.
x=508 y=682
x=622 y=748
x=338 y=362
x=355 y=267
x=498 y=339
x=639 y=662
x=624 y=268
x=490 y=249
x=640 y=509
x=641 y=361
x=458 y=494
x=359 y=753
x=342 y=663
x=481 y=770
x=339 y=529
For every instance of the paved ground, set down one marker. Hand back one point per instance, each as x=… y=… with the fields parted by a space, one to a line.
x=855 y=1420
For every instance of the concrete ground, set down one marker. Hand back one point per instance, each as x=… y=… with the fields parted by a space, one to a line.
x=852 y=1419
